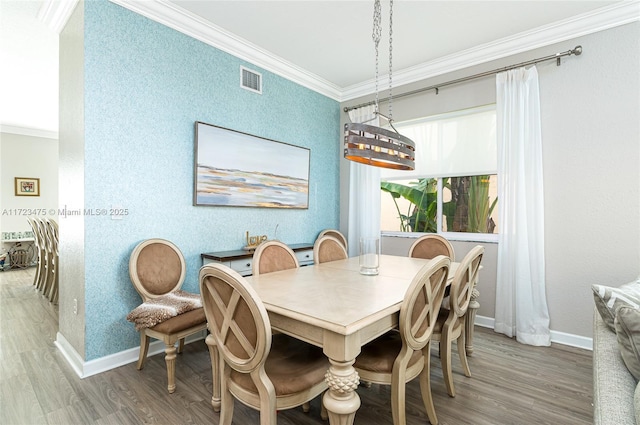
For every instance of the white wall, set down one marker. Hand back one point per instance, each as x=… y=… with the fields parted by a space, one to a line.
x=590 y=109
x=72 y=178
x=591 y=136
x=27 y=156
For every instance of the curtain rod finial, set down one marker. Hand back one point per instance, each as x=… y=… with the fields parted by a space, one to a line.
x=577 y=51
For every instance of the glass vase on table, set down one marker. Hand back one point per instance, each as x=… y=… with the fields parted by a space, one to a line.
x=369 y=256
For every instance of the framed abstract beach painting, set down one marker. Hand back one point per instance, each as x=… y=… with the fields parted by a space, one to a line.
x=235 y=169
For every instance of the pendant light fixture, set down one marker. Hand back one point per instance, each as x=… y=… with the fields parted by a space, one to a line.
x=372 y=145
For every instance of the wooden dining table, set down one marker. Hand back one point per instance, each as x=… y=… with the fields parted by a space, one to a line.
x=333 y=306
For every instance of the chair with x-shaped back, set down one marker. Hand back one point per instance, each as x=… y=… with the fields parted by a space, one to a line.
x=399 y=356
x=264 y=371
x=451 y=323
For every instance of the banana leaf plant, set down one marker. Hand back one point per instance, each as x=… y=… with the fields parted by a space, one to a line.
x=423 y=198
x=469 y=209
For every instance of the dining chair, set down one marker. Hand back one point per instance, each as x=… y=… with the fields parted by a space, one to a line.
x=157 y=270
x=272 y=256
x=431 y=245
x=401 y=355
x=42 y=254
x=336 y=234
x=327 y=248
x=37 y=243
x=263 y=371
x=52 y=260
x=50 y=274
x=451 y=323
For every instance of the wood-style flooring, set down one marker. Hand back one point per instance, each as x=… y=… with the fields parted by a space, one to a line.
x=511 y=383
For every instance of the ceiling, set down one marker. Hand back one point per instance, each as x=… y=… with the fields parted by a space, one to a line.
x=29 y=68
x=333 y=39
x=328 y=42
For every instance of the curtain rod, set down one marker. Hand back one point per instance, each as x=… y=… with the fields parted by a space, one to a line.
x=576 y=51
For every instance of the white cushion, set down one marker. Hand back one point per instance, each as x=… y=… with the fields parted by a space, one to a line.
x=627 y=325
x=608 y=299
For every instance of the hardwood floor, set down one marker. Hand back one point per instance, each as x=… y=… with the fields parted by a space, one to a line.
x=511 y=383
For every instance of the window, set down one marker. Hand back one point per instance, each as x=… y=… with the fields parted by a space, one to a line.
x=453 y=189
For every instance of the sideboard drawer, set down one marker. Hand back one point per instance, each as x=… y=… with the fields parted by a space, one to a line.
x=242 y=266
x=305 y=257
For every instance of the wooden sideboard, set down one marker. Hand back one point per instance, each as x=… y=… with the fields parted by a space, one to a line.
x=241 y=260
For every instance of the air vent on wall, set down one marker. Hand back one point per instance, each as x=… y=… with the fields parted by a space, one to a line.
x=250 y=80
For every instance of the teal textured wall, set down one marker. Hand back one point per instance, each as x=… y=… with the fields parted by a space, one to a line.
x=145 y=86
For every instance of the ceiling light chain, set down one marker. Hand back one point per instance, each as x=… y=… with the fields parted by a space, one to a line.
x=377 y=35
x=371 y=144
x=390 y=62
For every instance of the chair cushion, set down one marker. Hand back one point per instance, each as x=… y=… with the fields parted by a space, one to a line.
x=163 y=308
x=627 y=324
x=609 y=299
x=442 y=317
x=182 y=322
x=380 y=354
x=292 y=365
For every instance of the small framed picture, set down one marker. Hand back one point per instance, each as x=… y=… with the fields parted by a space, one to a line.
x=27 y=186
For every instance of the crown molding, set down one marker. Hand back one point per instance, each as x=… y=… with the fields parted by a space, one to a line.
x=173 y=16
x=24 y=131
x=598 y=20
x=181 y=20
x=55 y=13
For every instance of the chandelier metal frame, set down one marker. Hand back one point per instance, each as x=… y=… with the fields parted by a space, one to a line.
x=373 y=145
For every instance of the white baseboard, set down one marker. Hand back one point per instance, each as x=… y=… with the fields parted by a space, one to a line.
x=556 y=336
x=572 y=340
x=484 y=322
x=70 y=354
x=93 y=367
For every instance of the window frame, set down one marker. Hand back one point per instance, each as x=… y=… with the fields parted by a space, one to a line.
x=454 y=236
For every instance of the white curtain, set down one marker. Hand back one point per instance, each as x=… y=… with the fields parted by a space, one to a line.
x=364 y=191
x=521 y=305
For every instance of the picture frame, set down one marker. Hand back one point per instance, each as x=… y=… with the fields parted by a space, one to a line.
x=27 y=186
x=235 y=169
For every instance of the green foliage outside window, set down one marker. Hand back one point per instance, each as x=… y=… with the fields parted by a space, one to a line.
x=469 y=209
x=422 y=195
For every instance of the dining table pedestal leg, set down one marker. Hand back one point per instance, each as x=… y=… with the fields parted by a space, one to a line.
x=341 y=400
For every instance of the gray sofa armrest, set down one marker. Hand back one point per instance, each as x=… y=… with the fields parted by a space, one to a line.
x=613 y=385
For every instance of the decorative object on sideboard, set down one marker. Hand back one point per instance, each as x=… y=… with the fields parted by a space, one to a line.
x=373 y=145
x=253 y=241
